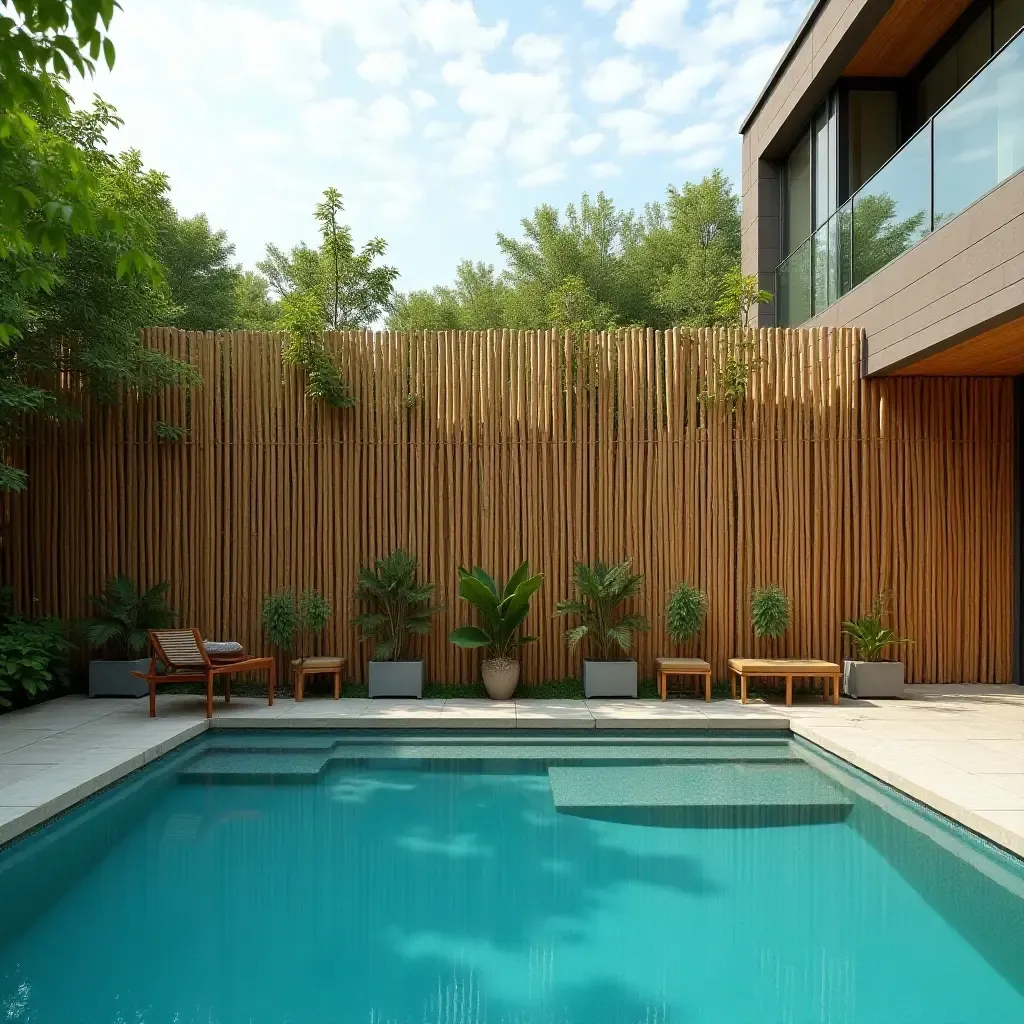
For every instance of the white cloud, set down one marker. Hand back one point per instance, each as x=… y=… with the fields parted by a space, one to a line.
x=601 y=6
x=745 y=81
x=446 y=26
x=542 y=176
x=586 y=144
x=652 y=23
x=479 y=145
x=452 y=26
x=676 y=94
x=535 y=50
x=605 y=169
x=612 y=79
x=373 y=24
x=534 y=104
x=339 y=125
x=735 y=22
x=640 y=131
x=384 y=67
x=422 y=100
x=701 y=159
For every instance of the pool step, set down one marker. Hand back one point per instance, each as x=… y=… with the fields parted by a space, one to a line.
x=701 y=795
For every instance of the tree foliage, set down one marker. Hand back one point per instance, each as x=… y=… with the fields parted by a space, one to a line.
x=597 y=268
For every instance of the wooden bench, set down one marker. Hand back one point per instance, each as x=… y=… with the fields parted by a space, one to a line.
x=302 y=667
x=665 y=667
x=783 y=668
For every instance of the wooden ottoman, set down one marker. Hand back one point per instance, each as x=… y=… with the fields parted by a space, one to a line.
x=665 y=667
x=302 y=667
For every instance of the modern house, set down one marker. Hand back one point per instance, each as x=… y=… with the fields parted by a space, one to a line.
x=881 y=185
x=882 y=188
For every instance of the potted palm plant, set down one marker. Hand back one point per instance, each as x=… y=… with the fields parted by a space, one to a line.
x=398 y=607
x=501 y=611
x=868 y=675
x=600 y=591
x=122 y=621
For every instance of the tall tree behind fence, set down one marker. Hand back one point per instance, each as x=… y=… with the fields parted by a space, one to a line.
x=492 y=447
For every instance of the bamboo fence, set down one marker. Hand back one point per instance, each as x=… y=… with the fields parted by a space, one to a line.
x=491 y=447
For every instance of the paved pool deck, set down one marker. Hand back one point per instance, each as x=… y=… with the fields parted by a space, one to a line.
x=958 y=749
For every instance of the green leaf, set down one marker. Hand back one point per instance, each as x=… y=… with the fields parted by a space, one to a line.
x=108 y=51
x=469 y=637
x=477 y=593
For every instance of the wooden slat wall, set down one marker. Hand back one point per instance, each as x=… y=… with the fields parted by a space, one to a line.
x=491 y=447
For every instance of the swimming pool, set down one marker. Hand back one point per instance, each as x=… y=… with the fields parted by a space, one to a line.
x=327 y=878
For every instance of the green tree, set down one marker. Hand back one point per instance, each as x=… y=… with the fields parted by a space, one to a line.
x=332 y=287
x=592 y=244
x=477 y=301
x=203 y=281
x=255 y=310
x=691 y=250
x=329 y=288
x=46 y=180
x=79 y=309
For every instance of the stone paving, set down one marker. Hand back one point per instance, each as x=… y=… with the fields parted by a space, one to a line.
x=958 y=749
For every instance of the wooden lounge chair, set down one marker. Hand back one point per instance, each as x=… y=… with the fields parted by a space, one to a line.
x=185 y=659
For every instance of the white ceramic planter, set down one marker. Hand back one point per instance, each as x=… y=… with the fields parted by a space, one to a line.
x=609 y=678
x=396 y=678
x=115 y=679
x=500 y=676
x=873 y=678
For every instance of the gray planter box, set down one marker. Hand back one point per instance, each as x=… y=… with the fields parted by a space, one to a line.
x=609 y=678
x=873 y=678
x=396 y=678
x=115 y=679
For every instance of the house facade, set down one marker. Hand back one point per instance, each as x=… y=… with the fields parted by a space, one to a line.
x=883 y=188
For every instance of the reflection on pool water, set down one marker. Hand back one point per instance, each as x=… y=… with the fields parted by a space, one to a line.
x=316 y=879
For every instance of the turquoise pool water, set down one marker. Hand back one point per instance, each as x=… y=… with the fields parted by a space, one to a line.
x=260 y=881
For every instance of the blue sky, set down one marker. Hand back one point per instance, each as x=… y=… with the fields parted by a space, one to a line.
x=441 y=121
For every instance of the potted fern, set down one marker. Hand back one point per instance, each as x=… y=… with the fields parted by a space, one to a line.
x=601 y=589
x=685 y=612
x=769 y=612
x=290 y=621
x=124 y=615
x=397 y=608
x=501 y=611
x=868 y=675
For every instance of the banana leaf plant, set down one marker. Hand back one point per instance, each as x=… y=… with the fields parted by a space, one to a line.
x=501 y=610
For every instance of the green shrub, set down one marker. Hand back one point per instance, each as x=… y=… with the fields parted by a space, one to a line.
x=502 y=610
x=685 y=612
x=286 y=618
x=868 y=636
x=399 y=606
x=600 y=589
x=124 y=616
x=769 y=612
x=33 y=656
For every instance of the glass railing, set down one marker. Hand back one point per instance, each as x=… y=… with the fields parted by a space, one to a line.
x=971 y=145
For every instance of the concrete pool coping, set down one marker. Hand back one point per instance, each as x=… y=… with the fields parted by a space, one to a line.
x=956 y=749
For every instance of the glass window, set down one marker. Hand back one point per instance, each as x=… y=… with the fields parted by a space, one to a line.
x=798 y=195
x=873 y=132
x=824 y=167
x=936 y=87
x=793 y=285
x=893 y=211
x=979 y=137
x=974 y=48
x=956 y=68
x=1009 y=20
